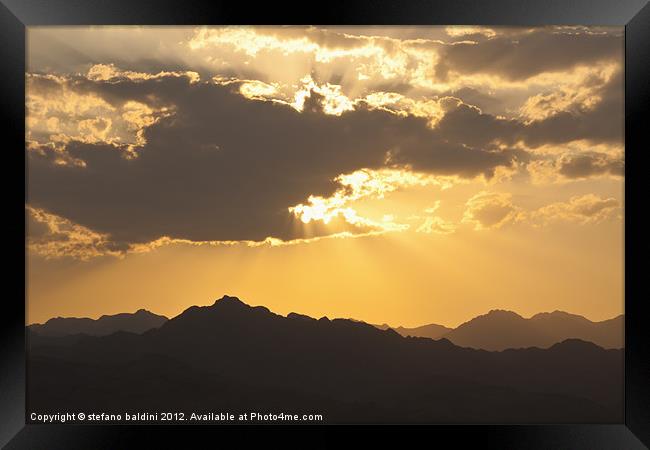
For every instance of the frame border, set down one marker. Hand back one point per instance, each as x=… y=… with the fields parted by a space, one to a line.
x=16 y=15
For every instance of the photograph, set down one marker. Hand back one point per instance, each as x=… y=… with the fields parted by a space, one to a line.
x=326 y=224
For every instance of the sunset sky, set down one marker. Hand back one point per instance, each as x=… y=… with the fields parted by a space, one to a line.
x=401 y=175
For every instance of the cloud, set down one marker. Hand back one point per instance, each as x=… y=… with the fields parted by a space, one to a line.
x=361 y=64
x=108 y=72
x=323 y=44
x=577 y=166
x=199 y=135
x=586 y=209
x=598 y=119
x=362 y=60
x=488 y=210
x=436 y=225
x=580 y=95
x=589 y=164
x=363 y=184
x=220 y=166
x=52 y=236
x=465 y=31
x=527 y=54
x=597 y=116
x=60 y=111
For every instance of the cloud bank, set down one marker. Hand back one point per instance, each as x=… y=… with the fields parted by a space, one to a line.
x=202 y=136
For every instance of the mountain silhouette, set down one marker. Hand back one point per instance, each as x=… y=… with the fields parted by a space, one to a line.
x=496 y=330
x=138 y=322
x=499 y=330
x=431 y=331
x=233 y=357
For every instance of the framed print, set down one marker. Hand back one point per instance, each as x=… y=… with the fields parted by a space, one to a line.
x=258 y=220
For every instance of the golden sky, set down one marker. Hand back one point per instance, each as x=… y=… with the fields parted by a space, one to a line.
x=406 y=175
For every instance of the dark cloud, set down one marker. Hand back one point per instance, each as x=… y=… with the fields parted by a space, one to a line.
x=467 y=124
x=604 y=123
x=37 y=230
x=486 y=102
x=227 y=168
x=52 y=237
x=223 y=167
x=588 y=164
x=522 y=56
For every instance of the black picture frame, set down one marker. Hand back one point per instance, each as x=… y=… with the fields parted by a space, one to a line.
x=16 y=15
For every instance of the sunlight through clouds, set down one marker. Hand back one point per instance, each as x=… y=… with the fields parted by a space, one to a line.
x=373 y=116
x=406 y=171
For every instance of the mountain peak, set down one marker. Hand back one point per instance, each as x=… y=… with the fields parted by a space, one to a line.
x=293 y=315
x=557 y=314
x=229 y=300
x=498 y=314
x=575 y=344
x=502 y=312
x=137 y=322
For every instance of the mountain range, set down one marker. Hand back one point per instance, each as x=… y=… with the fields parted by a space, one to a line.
x=495 y=331
x=138 y=322
x=500 y=330
x=232 y=357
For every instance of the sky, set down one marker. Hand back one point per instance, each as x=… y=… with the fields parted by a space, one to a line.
x=400 y=175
